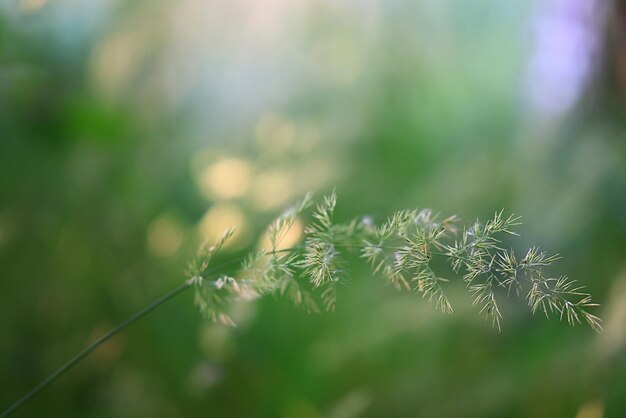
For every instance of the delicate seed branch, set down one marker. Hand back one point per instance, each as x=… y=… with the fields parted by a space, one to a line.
x=400 y=250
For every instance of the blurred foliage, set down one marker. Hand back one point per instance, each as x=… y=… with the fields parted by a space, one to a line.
x=131 y=130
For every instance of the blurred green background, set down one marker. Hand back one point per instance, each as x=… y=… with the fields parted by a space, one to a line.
x=131 y=130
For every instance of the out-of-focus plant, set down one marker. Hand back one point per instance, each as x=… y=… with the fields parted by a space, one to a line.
x=401 y=250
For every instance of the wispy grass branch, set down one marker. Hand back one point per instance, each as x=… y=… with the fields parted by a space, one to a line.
x=400 y=250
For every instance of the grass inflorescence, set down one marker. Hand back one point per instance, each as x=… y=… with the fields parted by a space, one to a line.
x=400 y=251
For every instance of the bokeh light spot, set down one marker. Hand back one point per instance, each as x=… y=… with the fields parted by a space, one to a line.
x=31 y=6
x=226 y=179
x=115 y=60
x=271 y=190
x=165 y=236
x=593 y=409
x=220 y=217
x=290 y=237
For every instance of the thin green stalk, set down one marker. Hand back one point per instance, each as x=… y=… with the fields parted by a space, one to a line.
x=59 y=372
x=128 y=322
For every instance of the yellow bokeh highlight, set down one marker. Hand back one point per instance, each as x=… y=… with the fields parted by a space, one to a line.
x=221 y=217
x=593 y=409
x=290 y=237
x=115 y=60
x=165 y=236
x=271 y=190
x=613 y=339
x=31 y=6
x=226 y=179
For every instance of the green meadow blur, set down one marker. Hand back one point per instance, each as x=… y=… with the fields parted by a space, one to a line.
x=131 y=131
